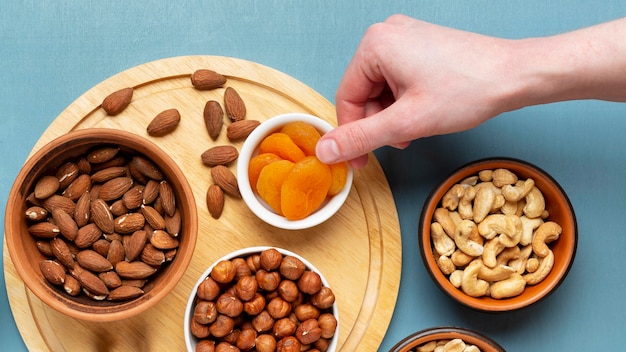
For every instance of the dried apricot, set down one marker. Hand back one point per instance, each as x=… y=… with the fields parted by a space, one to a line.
x=281 y=145
x=303 y=134
x=271 y=179
x=305 y=188
x=257 y=164
x=339 y=172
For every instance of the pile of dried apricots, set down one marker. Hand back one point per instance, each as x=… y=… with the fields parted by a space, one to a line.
x=287 y=175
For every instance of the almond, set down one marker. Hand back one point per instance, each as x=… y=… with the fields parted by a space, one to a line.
x=102 y=154
x=124 y=293
x=146 y=168
x=66 y=174
x=44 y=230
x=152 y=256
x=168 y=199
x=92 y=260
x=108 y=173
x=164 y=123
x=135 y=244
x=150 y=192
x=62 y=253
x=153 y=217
x=129 y=223
x=118 y=208
x=213 y=118
x=82 y=211
x=66 y=224
x=134 y=270
x=227 y=181
x=46 y=186
x=57 y=201
x=219 y=155
x=87 y=235
x=162 y=240
x=101 y=216
x=89 y=281
x=204 y=79
x=115 y=188
x=71 y=285
x=36 y=213
x=133 y=198
x=116 y=252
x=234 y=105
x=215 y=200
x=44 y=248
x=53 y=271
x=117 y=101
x=173 y=223
x=84 y=166
x=241 y=129
x=101 y=246
x=79 y=186
x=110 y=279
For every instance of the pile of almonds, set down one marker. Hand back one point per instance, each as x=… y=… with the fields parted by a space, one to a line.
x=217 y=157
x=262 y=302
x=107 y=221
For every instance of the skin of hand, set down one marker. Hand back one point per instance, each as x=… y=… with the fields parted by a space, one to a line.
x=410 y=79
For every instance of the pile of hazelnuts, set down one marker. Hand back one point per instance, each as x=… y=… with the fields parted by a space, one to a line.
x=264 y=301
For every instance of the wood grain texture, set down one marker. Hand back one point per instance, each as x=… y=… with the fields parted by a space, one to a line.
x=358 y=250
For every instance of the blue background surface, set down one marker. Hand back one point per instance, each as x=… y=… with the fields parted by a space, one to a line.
x=51 y=52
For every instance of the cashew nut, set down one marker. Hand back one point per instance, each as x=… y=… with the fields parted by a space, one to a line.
x=470 y=181
x=545 y=266
x=470 y=283
x=427 y=347
x=472 y=348
x=510 y=287
x=532 y=265
x=445 y=265
x=509 y=208
x=485 y=175
x=464 y=231
x=548 y=231
x=460 y=258
x=496 y=224
x=444 y=245
x=456 y=218
x=535 y=203
x=514 y=193
x=491 y=249
x=456 y=277
x=483 y=201
x=519 y=264
x=465 y=208
x=500 y=272
x=507 y=255
x=503 y=177
x=451 y=199
x=442 y=216
x=528 y=229
x=511 y=239
x=454 y=345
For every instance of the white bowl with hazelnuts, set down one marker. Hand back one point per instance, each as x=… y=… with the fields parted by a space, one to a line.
x=261 y=298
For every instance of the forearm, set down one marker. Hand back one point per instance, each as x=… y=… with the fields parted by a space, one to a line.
x=585 y=64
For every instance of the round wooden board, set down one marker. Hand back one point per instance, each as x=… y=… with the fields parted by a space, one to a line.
x=358 y=250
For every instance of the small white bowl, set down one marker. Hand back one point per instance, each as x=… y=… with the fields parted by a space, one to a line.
x=254 y=201
x=191 y=341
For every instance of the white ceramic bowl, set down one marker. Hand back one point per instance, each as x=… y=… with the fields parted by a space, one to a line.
x=254 y=201
x=191 y=341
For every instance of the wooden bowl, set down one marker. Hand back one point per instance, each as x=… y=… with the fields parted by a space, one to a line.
x=26 y=255
x=469 y=337
x=560 y=211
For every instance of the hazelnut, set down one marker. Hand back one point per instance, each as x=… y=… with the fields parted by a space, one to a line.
x=205 y=346
x=288 y=290
x=263 y=322
x=205 y=312
x=284 y=327
x=265 y=343
x=246 y=287
x=323 y=299
x=254 y=262
x=225 y=347
x=223 y=272
x=232 y=337
x=270 y=259
x=288 y=344
x=241 y=268
x=321 y=344
x=310 y=282
x=267 y=280
x=308 y=331
x=291 y=267
x=328 y=324
x=222 y=326
x=255 y=305
x=278 y=308
x=198 y=330
x=246 y=339
x=228 y=304
x=306 y=311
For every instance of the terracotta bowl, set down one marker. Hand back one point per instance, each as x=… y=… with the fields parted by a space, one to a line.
x=469 y=337
x=192 y=341
x=259 y=207
x=559 y=209
x=26 y=256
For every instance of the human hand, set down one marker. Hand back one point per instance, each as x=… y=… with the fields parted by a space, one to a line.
x=410 y=79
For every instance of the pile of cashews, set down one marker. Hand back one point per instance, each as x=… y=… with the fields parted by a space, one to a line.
x=454 y=345
x=490 y=235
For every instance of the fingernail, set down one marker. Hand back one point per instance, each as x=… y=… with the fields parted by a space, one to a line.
x=327 y=151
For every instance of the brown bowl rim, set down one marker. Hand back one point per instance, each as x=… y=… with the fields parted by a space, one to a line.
x=418 y=338
x=52 y=296
x=485 y=304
